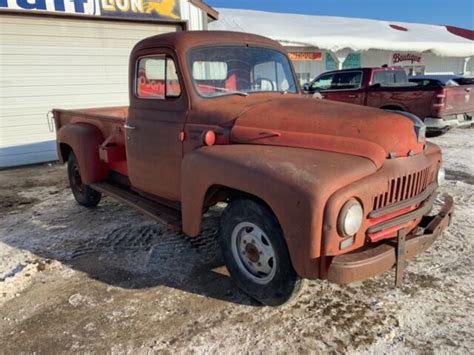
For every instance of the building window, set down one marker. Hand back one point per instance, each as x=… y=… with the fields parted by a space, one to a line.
x=157 y=78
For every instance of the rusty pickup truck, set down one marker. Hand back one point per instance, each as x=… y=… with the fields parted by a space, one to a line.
x=314 y=189
x=441 y=108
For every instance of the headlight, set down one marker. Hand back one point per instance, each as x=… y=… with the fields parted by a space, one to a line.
x=441 y=176
x=350 y=218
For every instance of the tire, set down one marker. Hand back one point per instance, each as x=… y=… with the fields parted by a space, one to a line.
x=83 y=193
x=436 y=133
x=256 y=253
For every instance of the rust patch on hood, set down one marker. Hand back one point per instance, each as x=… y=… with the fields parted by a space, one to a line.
x=300 y=122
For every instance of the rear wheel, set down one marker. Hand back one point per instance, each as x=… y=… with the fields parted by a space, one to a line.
x=83 y=193
x=256 y=254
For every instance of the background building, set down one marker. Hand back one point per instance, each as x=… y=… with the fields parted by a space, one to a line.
x=320 y=43
x=72 y=54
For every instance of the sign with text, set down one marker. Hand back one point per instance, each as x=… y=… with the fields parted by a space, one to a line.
x=305 y=55
x=406 y=58
x=149 y=9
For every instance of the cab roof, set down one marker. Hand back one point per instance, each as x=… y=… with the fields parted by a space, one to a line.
x=188 y=39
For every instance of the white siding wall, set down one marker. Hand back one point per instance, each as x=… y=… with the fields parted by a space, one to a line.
x=197 y=19
x=470 y=67
x=374 y=58
x=442 y=65
x=50 y=62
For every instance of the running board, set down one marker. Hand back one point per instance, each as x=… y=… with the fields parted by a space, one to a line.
x=157 y=211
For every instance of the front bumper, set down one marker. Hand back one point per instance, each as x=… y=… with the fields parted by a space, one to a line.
x=365 y=264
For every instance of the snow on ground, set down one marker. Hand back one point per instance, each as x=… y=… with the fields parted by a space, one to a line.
x=109 y=279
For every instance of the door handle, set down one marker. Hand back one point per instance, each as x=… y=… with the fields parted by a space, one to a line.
x=352 y=96
x=126 y=126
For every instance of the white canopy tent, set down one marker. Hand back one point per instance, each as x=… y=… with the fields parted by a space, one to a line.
x=340 y=35
x=337 y=34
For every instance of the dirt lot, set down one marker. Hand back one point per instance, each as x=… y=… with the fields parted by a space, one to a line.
x=109 y=279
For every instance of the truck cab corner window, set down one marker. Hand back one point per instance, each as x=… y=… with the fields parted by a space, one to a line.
x=157 y=78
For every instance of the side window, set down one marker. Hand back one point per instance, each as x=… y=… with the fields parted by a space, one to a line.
x=347 y=81
x=173 y=89
x=387 y=78
x=157 y=78
x=324 y=82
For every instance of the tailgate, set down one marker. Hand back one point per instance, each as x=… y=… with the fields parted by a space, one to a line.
x=459 y=99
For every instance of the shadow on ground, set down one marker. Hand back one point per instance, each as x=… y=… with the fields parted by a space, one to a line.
x=135 y=253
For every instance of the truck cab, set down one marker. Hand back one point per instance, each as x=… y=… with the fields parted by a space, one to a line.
x=313 y=189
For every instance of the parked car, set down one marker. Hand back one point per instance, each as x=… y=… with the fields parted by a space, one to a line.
x=314 y=189
x=441 y=80
x=440 y=107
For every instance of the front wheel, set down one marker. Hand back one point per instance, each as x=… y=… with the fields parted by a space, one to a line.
x=256 y=254
x=83 y=193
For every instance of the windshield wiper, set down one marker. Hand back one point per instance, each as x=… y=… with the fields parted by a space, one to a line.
x=236 y=92
x=241 y=93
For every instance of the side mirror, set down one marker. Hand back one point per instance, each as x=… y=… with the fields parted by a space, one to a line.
x=307 y=87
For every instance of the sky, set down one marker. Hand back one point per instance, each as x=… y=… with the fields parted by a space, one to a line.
x=458 y=13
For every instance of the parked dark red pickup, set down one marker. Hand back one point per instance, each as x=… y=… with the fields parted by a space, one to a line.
x=388 y=88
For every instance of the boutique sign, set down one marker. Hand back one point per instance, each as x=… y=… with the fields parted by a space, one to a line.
x=404 y=58
x=158 y=9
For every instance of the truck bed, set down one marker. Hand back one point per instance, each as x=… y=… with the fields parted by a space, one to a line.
x=110 y=121
x=111 y=114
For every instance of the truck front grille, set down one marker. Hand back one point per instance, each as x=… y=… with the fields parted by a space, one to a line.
x=404 y=187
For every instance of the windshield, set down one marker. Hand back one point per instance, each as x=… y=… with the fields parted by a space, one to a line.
x=218 y=71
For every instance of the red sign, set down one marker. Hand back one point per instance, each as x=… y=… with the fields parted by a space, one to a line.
x=406 y=57
x=305 y=55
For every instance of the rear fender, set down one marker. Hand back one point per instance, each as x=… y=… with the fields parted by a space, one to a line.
x=84 y=140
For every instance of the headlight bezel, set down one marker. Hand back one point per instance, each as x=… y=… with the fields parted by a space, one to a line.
x=441 y=176
x=354 y=207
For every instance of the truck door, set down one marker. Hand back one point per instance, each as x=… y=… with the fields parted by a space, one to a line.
x=157 y=114
x=340 y=86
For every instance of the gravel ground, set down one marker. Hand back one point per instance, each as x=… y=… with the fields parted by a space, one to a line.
x=110 y=280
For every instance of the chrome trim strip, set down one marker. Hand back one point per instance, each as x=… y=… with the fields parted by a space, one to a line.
x=405 y=203
x=424 y=209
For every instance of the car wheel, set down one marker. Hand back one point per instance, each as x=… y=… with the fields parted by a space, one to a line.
x=83 y=193
x=256 y=253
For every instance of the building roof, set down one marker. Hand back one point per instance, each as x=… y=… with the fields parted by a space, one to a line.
x=212 y=13
x=338 y=33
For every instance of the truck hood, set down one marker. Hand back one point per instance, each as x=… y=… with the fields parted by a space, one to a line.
x=330 y=126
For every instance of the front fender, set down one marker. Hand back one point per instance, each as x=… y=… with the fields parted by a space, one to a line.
x=294 y=182
x=84 y=140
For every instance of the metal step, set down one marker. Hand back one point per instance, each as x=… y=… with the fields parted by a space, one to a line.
x=157 y=211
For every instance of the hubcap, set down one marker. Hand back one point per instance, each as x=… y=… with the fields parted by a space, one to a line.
x=253 y=252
